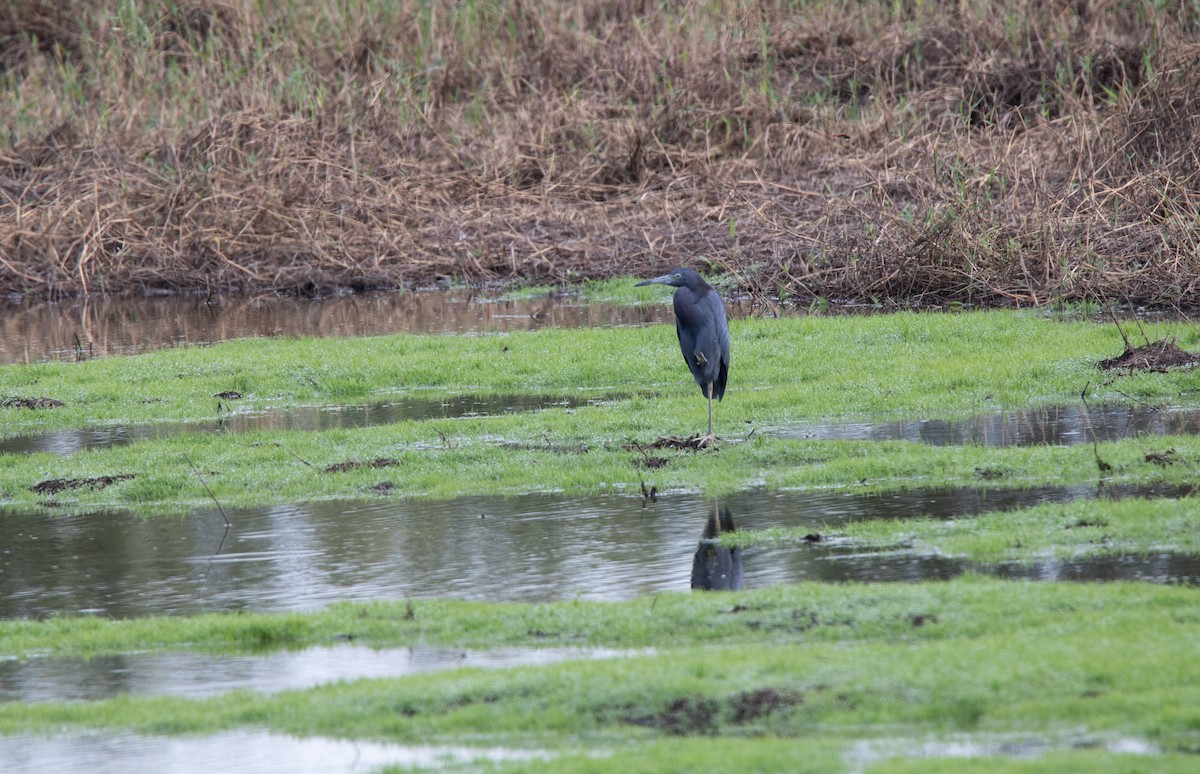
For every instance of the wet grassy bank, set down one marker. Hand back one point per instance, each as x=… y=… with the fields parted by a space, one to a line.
x=813 y=669
x=785 y=371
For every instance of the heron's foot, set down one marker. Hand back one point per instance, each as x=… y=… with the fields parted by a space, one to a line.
x=704 y=441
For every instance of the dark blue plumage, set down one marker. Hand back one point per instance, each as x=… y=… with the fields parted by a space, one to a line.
x=703 y=331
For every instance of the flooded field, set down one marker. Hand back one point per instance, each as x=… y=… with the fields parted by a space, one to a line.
x=1050 y=425
x=197 y=675
x=231 y=752
x=1029 y=475
x=530 y=548
x=305 y=418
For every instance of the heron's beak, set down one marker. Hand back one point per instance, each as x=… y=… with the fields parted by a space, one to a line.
x=663 y=280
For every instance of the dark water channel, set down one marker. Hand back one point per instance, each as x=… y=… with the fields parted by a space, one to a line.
x=95 y=327
x=533 y=548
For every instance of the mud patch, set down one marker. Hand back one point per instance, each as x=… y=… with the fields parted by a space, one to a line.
x=32 y=403
x=378 y=462
x=700 y=716
x=753 y=705
x=685 y=716
x=228 y=395
x=1158 y=357
x=56 y=485
x=1164 y=458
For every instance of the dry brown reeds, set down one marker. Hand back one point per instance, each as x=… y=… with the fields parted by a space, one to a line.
x=1008 y=152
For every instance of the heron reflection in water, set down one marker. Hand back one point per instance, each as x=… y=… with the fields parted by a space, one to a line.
x=716 y=567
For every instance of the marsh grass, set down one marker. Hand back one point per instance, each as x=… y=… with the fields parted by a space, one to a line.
x=835 y=368
x=813 y=665
x=784 y=369
x=812 y=672
x=1015 y=152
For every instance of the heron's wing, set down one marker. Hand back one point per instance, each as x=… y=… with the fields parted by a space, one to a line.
x=703 y=336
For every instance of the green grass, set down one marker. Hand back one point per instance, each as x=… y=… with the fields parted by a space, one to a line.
x=783 y=369
x=807 y=369
x=277 y=467
x=809 y=666
x=840 y=676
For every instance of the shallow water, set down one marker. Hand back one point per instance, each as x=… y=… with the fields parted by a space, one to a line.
x=234 y=752
x=1051 y=425
x=306 y=418
x=868 y=753
x=196 y=675
x=532 y=548
x=95 y=327
x=1045 y=426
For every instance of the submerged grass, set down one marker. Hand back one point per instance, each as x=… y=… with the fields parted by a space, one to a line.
x=277 y=467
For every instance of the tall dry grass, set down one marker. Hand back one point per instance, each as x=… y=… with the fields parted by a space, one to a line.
x=985 y=152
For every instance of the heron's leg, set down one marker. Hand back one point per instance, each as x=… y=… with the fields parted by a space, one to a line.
x=710 y=391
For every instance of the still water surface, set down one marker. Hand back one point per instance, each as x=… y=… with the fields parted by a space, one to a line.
x=1043 y=426
x=303 y=418
x=234 y=752
x=95 y=327
x=531 y=548
x=196 y=675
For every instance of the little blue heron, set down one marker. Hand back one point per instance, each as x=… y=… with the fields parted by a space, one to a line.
x=703 y=331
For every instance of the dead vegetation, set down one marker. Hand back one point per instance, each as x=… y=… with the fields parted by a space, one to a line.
x=379 y=462
x=31 y=403
x=1158 y=356
x=1009 y=152
x=56 y=485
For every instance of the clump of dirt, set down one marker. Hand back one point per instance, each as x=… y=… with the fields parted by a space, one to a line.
x=1163 y=459
x=685 y=716
x=700 y=716
x=691 y=443
x=752 y=705
x=1156 y=356
x=32 y=403
x=56 y=485
x=228 y=395
x=378 y=462
x=383 y=487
